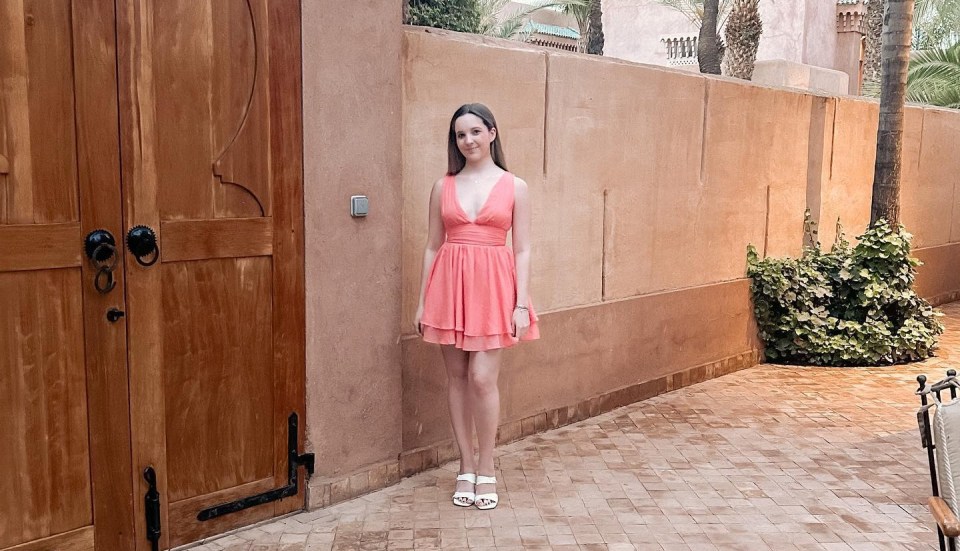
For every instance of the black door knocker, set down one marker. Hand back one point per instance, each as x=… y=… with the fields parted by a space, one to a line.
x=101 y=249
x=142 y=242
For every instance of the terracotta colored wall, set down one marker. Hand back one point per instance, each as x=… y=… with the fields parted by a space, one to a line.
x=647 y=185
x=352 y=145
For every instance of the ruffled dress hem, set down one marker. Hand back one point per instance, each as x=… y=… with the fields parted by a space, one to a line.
x=475 y=343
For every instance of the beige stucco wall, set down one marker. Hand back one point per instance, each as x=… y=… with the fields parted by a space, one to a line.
x=352 y=145
x=647 y=183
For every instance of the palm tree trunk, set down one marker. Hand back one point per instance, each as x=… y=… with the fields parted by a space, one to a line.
x=895 y=60
x=595 y=29
x=708 y=54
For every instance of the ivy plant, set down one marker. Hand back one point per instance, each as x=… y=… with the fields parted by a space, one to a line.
x=849 y=306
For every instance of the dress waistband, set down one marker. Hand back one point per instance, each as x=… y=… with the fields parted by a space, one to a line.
x=473 y=234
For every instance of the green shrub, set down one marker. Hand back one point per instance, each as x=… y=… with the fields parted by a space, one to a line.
x=455 y=15
x=849 y=306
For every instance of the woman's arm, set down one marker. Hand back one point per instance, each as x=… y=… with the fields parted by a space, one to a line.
x=521 y=254
x=435 y=237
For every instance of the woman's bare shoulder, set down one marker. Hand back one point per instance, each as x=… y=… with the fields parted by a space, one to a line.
x=519 y=184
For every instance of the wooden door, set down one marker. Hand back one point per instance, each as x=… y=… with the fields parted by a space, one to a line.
x=211 y=146
x=64 y=423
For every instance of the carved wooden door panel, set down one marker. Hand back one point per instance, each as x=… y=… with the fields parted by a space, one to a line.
x=210 y=134
x=64 y=423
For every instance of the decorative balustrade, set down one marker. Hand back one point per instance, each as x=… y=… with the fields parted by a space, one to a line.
x=681 y=49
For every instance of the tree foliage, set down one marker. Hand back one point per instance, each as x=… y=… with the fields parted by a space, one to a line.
x=936 y=24
x=934 y=77
x=588 y=16
x=455 y=15
x=486 y=17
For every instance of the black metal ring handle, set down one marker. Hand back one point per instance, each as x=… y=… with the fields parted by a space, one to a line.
x=92 y=242
x=142 y=242
x=111 y=257
x=153 y=259
x=104 y=287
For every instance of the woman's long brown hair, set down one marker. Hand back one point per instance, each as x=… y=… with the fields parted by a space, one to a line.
x=455 y=159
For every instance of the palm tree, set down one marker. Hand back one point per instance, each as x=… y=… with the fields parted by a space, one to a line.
x=588 y=17
x=934 y=77
x=743 y=31
x=595 y=29
x=581 y=13
x=708 y=54
x=693 y=10
x=494 y=21
x=897 y=33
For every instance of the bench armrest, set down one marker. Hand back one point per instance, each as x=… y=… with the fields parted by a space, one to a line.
x=946 y=519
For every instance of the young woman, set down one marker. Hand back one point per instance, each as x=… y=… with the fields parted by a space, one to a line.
x=473 y=292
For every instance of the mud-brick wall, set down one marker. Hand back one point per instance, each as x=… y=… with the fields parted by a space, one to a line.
x=647 y=184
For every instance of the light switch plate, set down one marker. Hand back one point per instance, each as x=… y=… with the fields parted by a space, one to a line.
x=359 y=205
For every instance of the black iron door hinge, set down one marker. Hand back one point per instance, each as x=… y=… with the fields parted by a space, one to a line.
x=294 y=461
x=151 y=508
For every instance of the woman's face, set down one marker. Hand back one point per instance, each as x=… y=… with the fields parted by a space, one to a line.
x=473 y=137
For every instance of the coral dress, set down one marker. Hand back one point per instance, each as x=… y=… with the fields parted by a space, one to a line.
x=472 y=287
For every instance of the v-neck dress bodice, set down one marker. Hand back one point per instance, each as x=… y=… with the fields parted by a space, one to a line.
x=472 y=286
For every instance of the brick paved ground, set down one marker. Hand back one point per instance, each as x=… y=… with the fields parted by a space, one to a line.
x=778 y=458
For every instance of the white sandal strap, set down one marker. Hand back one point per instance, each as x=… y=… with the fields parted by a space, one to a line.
x=467 y=477
x=458 y=495
x=486 y=479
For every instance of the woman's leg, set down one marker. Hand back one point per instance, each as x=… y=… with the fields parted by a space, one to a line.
x=461 y=414
x=485 y=398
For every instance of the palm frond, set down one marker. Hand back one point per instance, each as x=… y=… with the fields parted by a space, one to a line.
x=936 y=23
x=934 y=77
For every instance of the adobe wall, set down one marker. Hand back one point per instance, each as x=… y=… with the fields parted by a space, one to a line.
x=647 y=184
x=352 y=145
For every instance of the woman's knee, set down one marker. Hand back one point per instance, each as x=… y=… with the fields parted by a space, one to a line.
x=483 y=383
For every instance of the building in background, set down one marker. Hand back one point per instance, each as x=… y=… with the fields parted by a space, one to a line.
x=547 y=27
x=804 y=43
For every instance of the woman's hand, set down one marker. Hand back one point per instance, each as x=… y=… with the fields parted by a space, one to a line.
x=416 y=320
x=521 y=322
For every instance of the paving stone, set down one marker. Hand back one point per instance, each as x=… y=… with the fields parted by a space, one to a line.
x=769 y=458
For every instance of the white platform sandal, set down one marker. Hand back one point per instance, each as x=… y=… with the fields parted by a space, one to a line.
x=491 y=498
x=465 y=499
